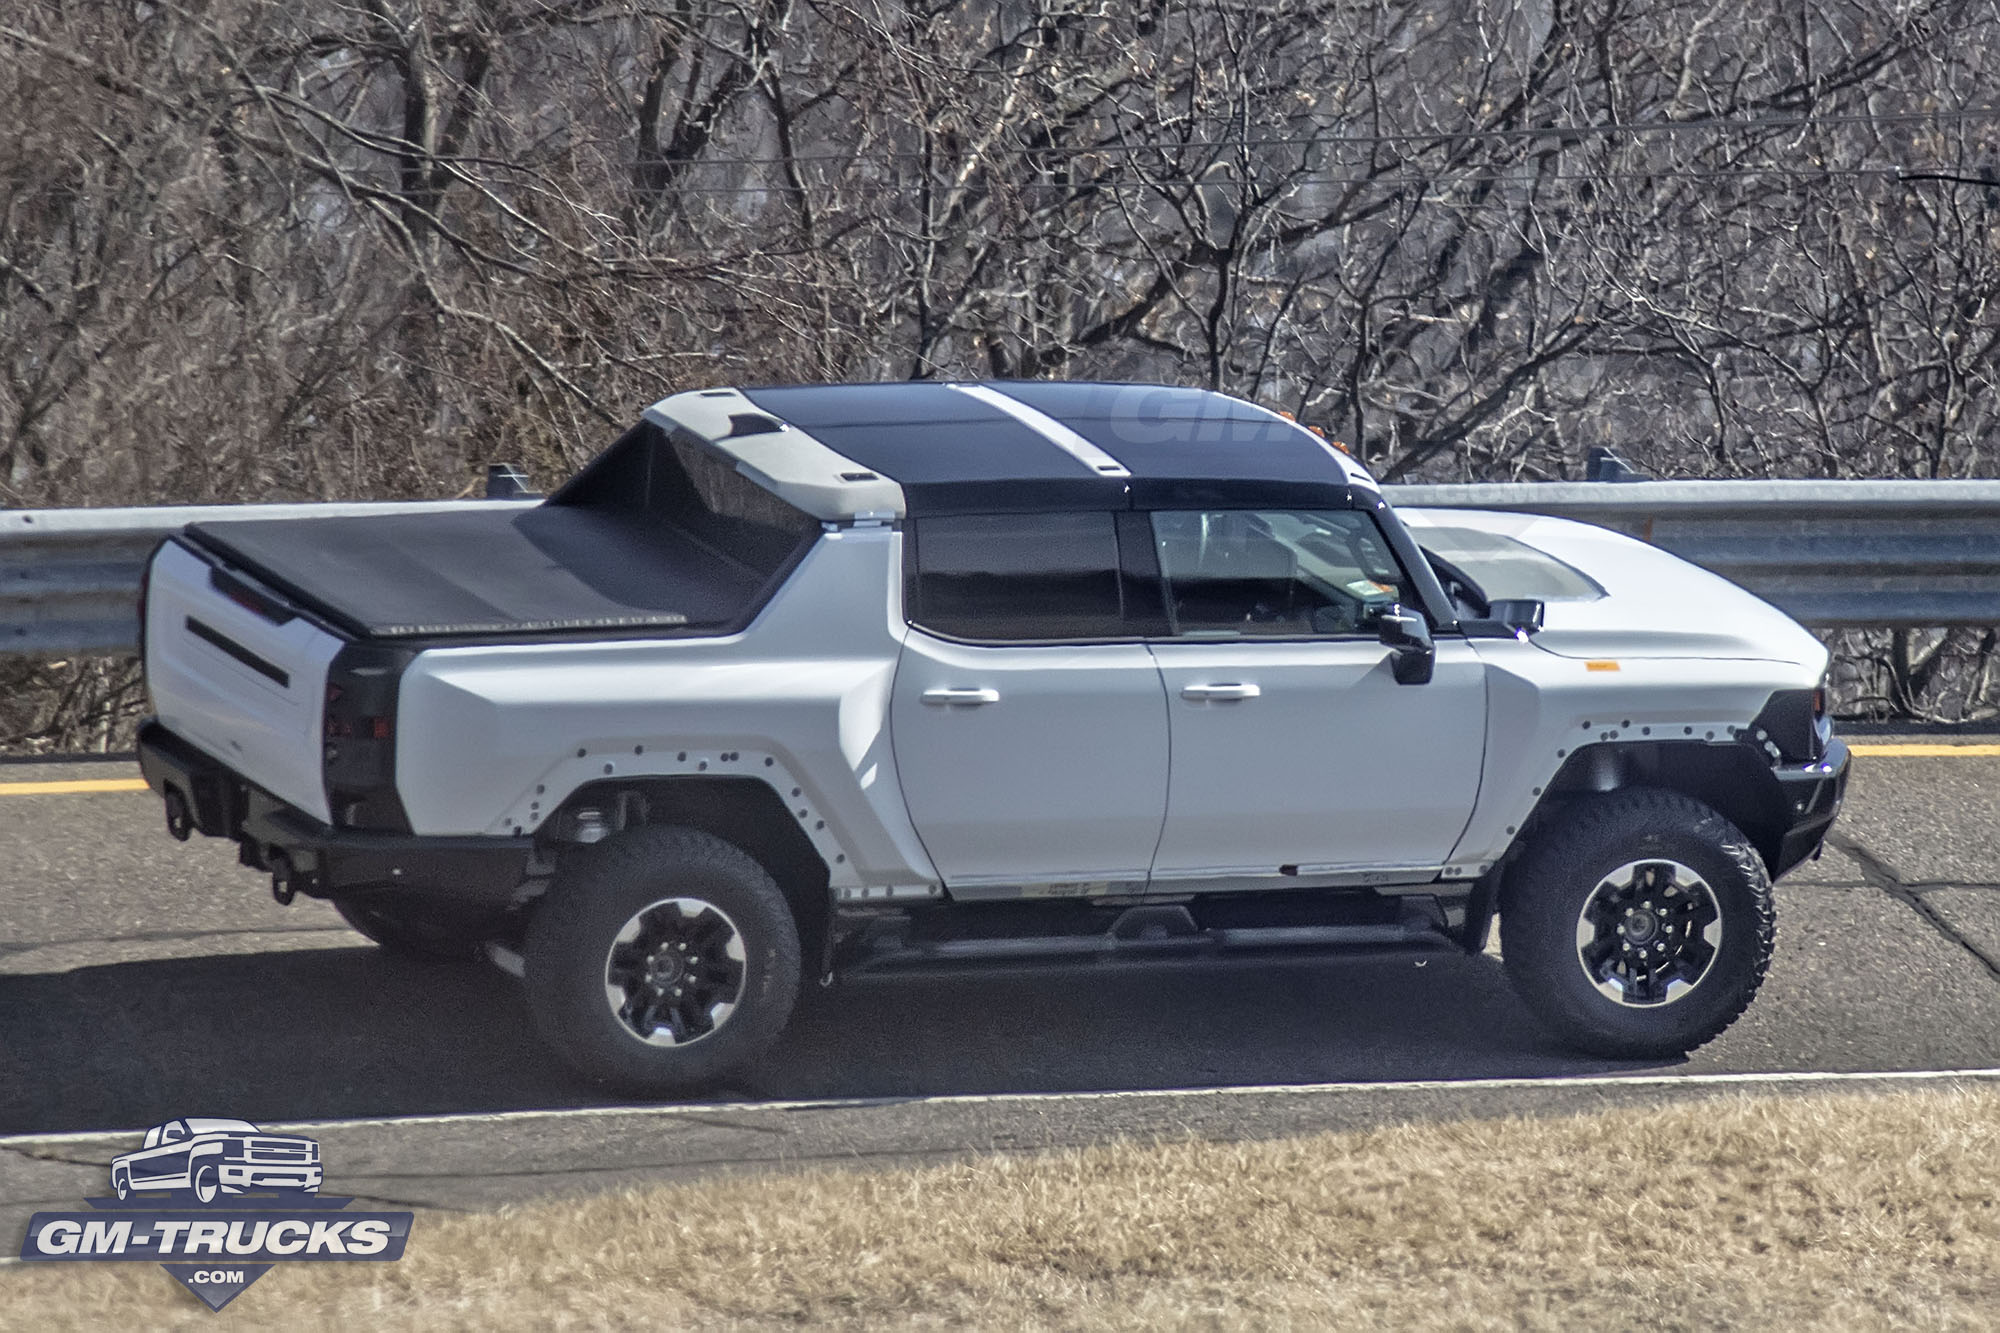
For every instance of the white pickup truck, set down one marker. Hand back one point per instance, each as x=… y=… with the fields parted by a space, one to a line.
x=800 y=682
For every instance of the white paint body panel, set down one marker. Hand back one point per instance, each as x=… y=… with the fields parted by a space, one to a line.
x=1544 y=706
x=1655 y=603
x=1331 y=764
x=1058 y=776
x=489 y=736
x=267 y=732
x=787 y=462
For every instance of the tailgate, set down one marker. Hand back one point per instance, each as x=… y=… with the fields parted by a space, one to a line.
x=235 y=670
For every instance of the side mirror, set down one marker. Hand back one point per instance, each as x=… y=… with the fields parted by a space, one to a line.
x=1408 y=636
x=1520 y=613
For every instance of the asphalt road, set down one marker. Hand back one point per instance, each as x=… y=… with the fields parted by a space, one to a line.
x=142 y=979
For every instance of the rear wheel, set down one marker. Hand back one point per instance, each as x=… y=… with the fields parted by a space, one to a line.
x=1638 y=925
x=662 y=960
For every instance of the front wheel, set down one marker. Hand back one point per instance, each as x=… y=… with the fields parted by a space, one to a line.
x=1638 y=925
x=661 y=960
x=207 y=1184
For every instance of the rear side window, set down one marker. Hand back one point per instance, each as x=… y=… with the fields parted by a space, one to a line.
x=736 y=515
x=1015 y=577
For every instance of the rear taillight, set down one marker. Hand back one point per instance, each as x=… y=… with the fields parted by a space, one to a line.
x=358 y=724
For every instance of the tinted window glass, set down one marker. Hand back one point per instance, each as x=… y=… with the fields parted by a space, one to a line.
x=736 y=515
x=1018 y=576
x=675 y=483
x=1236 y=572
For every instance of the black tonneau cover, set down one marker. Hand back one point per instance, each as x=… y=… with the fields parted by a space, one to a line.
x=479 y=572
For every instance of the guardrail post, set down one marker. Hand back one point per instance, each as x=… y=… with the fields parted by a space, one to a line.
x=504 y=481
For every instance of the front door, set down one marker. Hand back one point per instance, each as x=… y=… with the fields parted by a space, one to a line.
x=1295 y=750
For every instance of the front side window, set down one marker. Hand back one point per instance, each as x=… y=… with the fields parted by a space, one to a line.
x=1233 y=573
x=1018 y=577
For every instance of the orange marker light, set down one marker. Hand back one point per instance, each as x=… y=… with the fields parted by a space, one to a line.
x=1600 y=666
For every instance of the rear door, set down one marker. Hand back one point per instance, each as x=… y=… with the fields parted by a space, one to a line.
x=1028 y=718
x=1295 y=750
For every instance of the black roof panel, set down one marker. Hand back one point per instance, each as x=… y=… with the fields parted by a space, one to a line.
x=951 y=451
x=897 y=403
x=921 y=434
x=1178 y=434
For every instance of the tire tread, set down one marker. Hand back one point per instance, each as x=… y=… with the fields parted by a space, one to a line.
x=1574 y=835
x=595 y=891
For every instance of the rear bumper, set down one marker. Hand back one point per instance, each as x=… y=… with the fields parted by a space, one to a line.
x=322 y=861
x=1813 y=794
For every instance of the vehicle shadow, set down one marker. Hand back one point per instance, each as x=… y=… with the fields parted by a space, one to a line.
x=354 y=1032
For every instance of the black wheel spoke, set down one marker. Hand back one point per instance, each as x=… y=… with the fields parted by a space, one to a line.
x=675 y=970
x=1645 y=924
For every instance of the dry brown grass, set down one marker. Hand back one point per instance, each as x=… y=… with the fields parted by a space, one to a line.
x=1830 y=1212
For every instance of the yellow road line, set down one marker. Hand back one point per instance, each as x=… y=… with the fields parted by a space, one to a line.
x=1927 y=751
x=71 y=788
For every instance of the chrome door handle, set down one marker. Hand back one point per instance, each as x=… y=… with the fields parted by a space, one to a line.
x=970 y=695
x=1219 y=692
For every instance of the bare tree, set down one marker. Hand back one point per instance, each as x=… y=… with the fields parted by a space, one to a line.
x=256 y=251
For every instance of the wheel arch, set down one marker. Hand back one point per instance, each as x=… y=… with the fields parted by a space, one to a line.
x=1735 y=780
x=746 y=812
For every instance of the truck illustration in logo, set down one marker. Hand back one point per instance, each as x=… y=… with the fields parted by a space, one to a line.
x=211 y=1157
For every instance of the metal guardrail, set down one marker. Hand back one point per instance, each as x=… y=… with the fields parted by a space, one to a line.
x=1833 y=554
x=69 y=578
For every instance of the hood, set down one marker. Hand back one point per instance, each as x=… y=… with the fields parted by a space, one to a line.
x=1606 y=595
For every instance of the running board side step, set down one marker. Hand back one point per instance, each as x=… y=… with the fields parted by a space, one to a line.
x=1161 y=931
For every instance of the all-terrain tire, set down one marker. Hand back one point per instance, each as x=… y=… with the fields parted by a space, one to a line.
x=1578 y=851
x=621 y=885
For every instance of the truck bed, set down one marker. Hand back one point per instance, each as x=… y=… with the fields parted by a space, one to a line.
x=549 y=568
